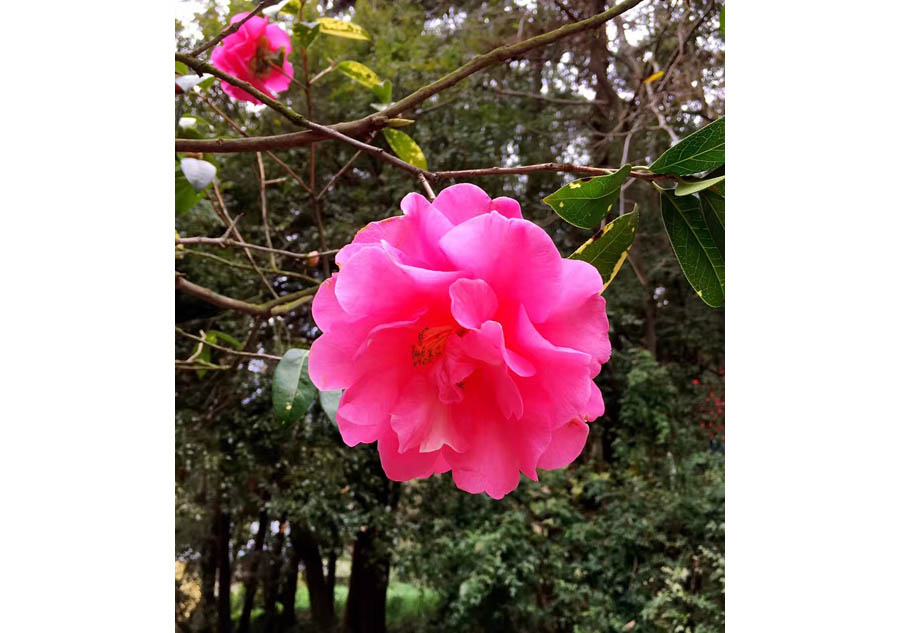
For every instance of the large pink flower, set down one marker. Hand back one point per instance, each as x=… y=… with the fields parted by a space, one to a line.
x=464 y=342
x=250 y=53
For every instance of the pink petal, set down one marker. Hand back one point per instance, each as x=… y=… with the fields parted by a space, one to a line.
x=368 y=401
x=488 y=345
x=506 y=207
x=595 y=406
x=278 y=38
x=278 y=81
x=566 y=444
x=422 y=422
x=404 y=466
x=253 y=28
x=516 y=257
x=472 y=302
x=460 y=202
x=354 y=434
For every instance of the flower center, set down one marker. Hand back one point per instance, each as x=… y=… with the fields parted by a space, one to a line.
x=259 y=63
x=430 y=344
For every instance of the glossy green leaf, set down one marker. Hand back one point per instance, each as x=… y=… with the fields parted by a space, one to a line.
x=329 y=401
x=608 y=251
x=198 y=172
x=713 y=206
x=306 y=33
x=405 y=147
x=340 y=28
x=181 y=68
x=692 y=234
x=701 y=151
x=686 y=188
x=585 y=203
x=292 y=390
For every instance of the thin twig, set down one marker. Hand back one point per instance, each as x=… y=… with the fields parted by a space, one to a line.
x=233 y=28
x=275 y=307
x=263 y=207
x=241 y=131
x=276 y=271
x=542 y=167
x=226 y=349
x=240 y=239
x=428 y=190
x=218 y=241
x=339 y=174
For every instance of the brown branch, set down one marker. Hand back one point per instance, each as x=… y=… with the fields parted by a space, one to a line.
x=275 y=307
x=233 y=28
x=203 y=341
x=541 y=167
x=220 y=241
x=277 y=271
x=379 y=120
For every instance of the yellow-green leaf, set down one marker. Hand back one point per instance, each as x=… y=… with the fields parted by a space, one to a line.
x=654 y=77
x=405 y=147
x=687 y=187
x=608 y=251
x=340 y=28
x=359 y=73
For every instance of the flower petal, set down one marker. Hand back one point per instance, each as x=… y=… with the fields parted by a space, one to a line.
x=404 y=466
x=460 y=202
x=566 y=444
x=472 y=302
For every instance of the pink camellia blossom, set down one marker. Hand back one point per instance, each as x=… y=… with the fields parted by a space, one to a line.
x=464 y=342
x=251 y=54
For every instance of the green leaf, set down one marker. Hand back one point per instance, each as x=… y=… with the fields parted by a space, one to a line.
x=198 y=172
x=185 y=195
x=692 y=234
x=586 y=203
x=359 y=73
x=713 y=206
x=292 y=390
x=206 y=83
x=340 y=28
x=701 y=151
x=225 y=338
x=722 y=21
x=181 y=68
x=686 y=188
x=306 y=33
x=607 y=252
x=405 y=147
x=384 y=90
x=329 y=401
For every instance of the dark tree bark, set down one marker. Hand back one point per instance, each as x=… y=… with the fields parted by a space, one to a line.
x=367 y=594
x=321 y=600
x=329 y=579
x=255 y=569
x=289 y=586
x=223 y=556
x=272 y=566
x=208 y=577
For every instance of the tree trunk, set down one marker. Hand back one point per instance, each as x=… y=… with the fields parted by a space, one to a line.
x=273 y=573
x=208 y=578
x=255 y=569
x=321 y=601
x=369 y=574
x=223 y=538
x=289 y=586
x=329 y=580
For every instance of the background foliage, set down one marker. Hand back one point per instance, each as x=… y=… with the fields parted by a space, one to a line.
x=628 y=538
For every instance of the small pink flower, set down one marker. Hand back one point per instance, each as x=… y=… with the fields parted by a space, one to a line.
x=250 y=54
x=464 y=342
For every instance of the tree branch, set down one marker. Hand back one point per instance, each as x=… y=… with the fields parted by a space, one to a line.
x=203 y=341
x=541 y=167
x=275 y=307
x=379 y=120
x=224 y=241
